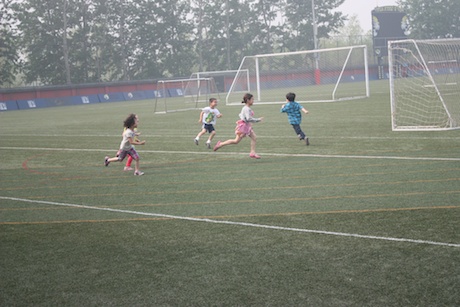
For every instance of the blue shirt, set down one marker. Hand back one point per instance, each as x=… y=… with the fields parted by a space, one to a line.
x=293 y=109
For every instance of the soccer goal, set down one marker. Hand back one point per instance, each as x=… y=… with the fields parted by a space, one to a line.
x=424 y=84
x=183 y=94
x=319 y=75
x=222 y=78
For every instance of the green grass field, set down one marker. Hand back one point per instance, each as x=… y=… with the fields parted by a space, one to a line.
x=362 y=217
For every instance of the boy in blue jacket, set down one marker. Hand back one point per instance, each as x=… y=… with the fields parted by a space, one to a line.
x=293 y=108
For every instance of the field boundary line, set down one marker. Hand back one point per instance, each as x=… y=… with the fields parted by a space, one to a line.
x=242 y=153
x=206 y=220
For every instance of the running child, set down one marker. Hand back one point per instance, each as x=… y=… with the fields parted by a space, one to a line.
x=126 y=146
x=293 y=108
x=136 y=138
x=208 y=118
x=244 y=127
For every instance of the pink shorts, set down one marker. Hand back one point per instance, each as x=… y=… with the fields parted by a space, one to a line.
x=243 y=127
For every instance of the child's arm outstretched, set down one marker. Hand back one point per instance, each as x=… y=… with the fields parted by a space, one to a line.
x=304 y=110
x=132 y=141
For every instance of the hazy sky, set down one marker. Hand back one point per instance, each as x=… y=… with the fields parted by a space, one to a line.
x=363 y=9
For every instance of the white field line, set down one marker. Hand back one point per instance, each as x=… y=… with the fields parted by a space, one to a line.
x=148 y=136
x=241 y=153
x=332 y=233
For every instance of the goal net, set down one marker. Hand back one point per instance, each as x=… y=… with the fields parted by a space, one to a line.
x=183 y=94
x=319 y=75
x=424 y=84
x=222 y=78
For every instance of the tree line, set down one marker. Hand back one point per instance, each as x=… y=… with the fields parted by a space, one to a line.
x=84 y=41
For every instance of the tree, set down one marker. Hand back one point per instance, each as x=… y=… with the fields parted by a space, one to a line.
x=175 y=48
x=352 y=31
x=265 y=32
x=118 y=28
x=349 y=35
x=82 y=41
x=298 y=31
x=433 y=19
x=9 y=64
x=43 y=36
x=218 y=40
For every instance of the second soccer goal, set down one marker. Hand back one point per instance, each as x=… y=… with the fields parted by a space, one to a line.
x=314 y=75
x=425 y=84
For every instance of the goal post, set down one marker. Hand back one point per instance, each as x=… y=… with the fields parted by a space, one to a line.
x=424 y=84
x=319 y=75
x=183 y=94
x=222 y=78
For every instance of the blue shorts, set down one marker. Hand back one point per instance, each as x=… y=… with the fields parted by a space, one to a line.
x=121 y=154
x=209 y=127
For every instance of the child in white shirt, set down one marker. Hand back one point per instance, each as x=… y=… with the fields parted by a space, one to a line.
x=126 y=145
x=208 y=118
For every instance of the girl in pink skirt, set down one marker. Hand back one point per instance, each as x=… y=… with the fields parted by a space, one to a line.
x=244 y=127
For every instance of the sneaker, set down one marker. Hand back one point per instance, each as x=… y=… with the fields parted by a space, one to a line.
x=217 y=146
x=208 y=144
x=128 y=168
x=307 y=141
x=254 y=155
x=196 y=141
x=138 y=173
x=106 y=161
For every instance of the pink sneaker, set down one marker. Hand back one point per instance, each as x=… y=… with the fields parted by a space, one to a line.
x=217 y=146
x=254 y=155
x=128 y=168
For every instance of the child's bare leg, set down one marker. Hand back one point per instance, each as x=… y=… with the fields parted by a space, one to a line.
x=211 y=136
x=136 y=165
x=203 y=131
x=253 y=137
x=237 y=139
x=197 y=138
x=108 y=160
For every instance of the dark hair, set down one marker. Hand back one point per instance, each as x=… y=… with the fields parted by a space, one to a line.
x=247 y=97
x=290 y=96
x=212 y=99
x=130 y=120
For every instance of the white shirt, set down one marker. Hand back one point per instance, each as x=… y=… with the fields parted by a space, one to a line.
x=125 y=144
x=210 y=115
x=247 y=115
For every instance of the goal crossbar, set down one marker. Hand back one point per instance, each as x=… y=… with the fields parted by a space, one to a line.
x=318 y=75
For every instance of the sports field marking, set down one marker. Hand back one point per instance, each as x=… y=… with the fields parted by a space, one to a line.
x=242 y=153
x=207 y=220
x=171 y=135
